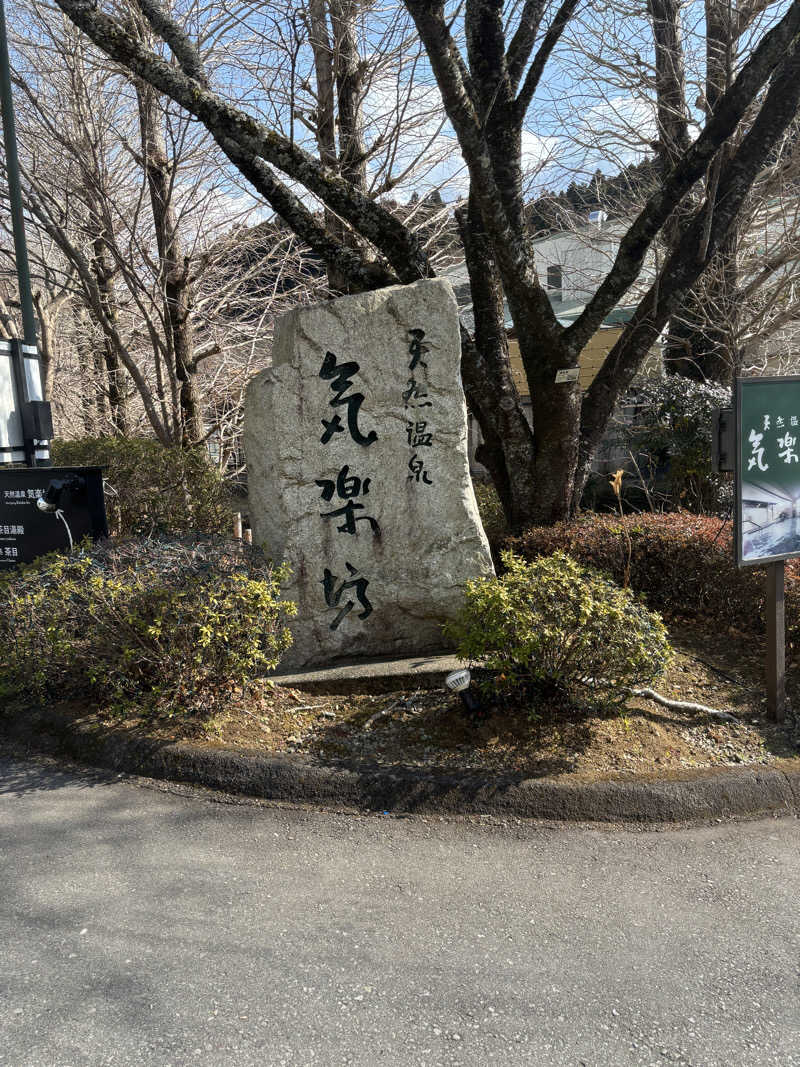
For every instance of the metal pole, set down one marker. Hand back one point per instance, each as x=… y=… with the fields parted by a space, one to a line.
x=20 y=384
x=14 y=188
x=776 y=643
x=34 y=412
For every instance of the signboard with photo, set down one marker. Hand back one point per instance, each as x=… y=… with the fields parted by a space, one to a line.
x=767 y=521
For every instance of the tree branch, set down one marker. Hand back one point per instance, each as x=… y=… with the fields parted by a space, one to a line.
x=683 y=267
x=522 y=42
x=486 y=49
x=94 y=299
x=230 y=125
x=184 y=50
x=673 y=126
x=536 y=69
x=682 y=705
x=634 y=246
x=348 y=262
x=510 y=242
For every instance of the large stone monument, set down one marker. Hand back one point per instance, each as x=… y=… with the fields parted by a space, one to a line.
x=356 y=442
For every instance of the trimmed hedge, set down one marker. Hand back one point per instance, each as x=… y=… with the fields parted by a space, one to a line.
x=681 y=563
x=151 y=489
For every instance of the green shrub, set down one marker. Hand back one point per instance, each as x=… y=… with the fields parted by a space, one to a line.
x=671 y=436
x=490 y=510
x=555 y=625
x=165 y=624
x=680 y=563
x=152 y=489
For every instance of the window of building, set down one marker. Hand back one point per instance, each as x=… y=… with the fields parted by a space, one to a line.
x=555 y=281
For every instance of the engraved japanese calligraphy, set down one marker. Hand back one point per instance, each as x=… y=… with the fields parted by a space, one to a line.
x=340 y=378
x=358 y=476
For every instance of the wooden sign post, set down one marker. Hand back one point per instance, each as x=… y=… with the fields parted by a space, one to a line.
x=776 y=643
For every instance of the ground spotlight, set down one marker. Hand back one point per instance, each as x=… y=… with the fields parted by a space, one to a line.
x=458 y=682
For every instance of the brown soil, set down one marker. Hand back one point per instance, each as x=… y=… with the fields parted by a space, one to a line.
x=428 y=728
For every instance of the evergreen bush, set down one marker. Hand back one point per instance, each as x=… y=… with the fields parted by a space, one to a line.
x=163 y=624
x=152 y=489
x=554 y=626
x=490 y=511
x=671 y=437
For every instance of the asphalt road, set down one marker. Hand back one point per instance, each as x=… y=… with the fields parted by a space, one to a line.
x=142 y=927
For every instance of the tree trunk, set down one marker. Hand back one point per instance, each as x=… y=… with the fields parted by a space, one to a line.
x=334 y=43
x=349 y=88
x=174 y=267
x=92 y=397
x=347 y=74
x=539 y=466
x=507 y=451
x=114 y=372
x=325 y=119
x=46 y=338
x=701 y=338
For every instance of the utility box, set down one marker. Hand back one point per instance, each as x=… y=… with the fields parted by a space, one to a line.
x=48 y=509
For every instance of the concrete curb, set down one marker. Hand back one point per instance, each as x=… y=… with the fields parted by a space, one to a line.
x=739 y=792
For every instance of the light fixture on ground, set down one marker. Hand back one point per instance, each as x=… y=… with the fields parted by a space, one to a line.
x=458 y=682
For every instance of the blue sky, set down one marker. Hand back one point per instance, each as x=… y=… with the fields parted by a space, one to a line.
x=593 y=109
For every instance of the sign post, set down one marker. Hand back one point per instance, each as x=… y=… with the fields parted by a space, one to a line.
x=48 y=509
x=25 y=420
x=42 y=508
x=776 y=643
x=767 y=515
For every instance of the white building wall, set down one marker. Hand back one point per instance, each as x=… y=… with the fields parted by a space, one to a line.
x=585 y=257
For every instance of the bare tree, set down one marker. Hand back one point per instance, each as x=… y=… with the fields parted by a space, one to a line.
x=119 y=190
x=343 y=79
x=684 y=61
x=52 y=282
x=487 y=89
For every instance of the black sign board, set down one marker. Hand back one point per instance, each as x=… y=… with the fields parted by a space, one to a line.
x=48 y=509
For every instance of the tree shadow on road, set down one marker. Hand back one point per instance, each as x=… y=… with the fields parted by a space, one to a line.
x=23 y=772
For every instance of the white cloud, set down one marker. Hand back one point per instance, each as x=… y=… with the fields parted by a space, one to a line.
x=620 y=130
x=417 y=145
x=607 y=136
x=537 y=151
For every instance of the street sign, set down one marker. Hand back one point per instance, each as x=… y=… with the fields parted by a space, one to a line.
x=48 y=509
x=767 y=519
